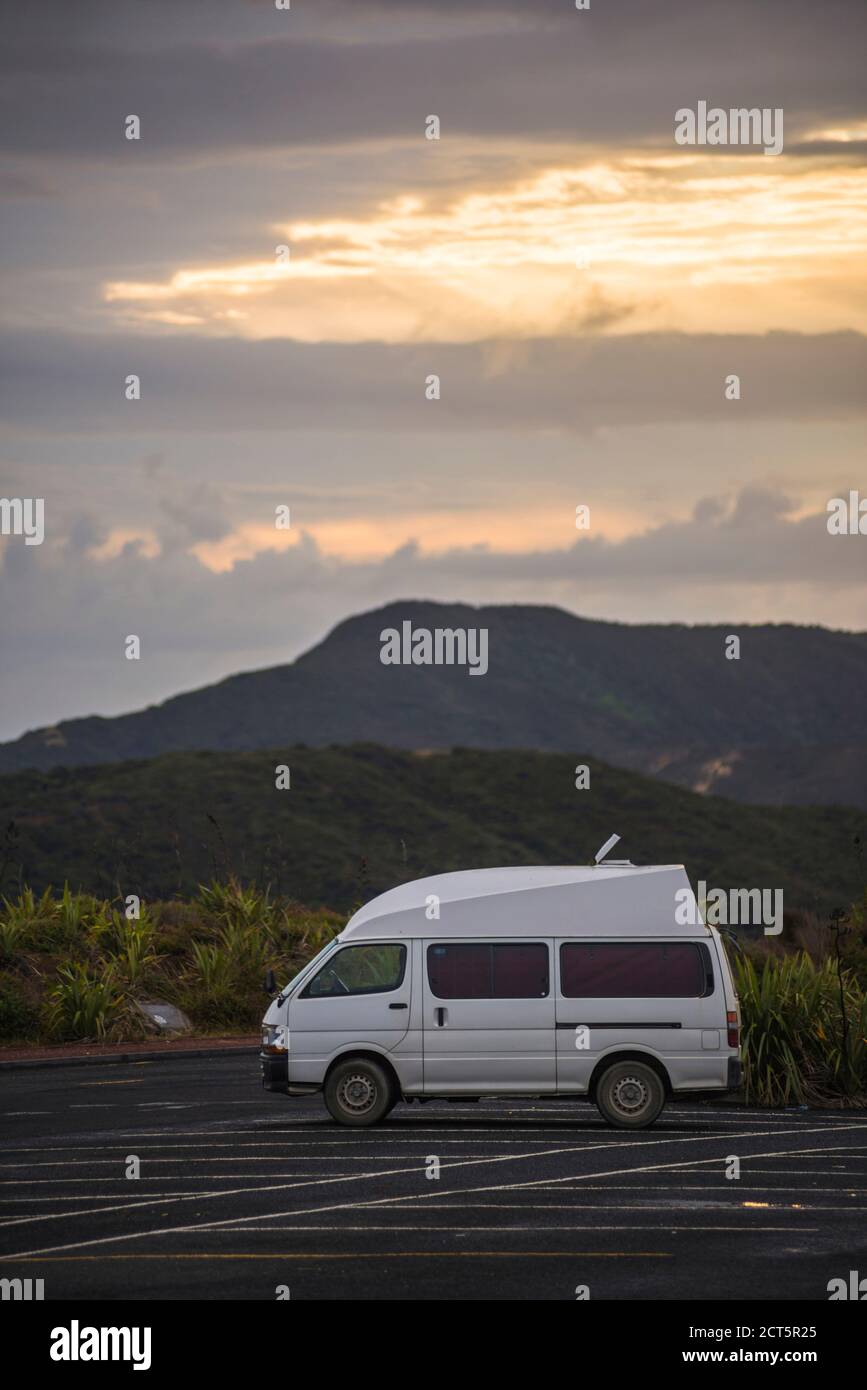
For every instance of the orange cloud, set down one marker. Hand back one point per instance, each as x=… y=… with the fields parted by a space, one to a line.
x=740 y=242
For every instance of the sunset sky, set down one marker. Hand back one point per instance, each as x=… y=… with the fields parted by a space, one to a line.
x=581 y=284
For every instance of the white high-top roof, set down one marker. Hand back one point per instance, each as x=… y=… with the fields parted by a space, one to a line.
x=599 y=900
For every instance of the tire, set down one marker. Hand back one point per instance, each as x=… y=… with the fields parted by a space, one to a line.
x=359 y=1092
x=630 y=1095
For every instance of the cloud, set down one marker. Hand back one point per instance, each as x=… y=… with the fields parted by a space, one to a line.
x=212 y=77
x=66 y=614
x=664 y=241
x=68 y=385
x=192 y=513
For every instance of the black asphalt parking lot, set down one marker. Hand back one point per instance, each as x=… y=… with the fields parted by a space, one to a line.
x=242 y=1191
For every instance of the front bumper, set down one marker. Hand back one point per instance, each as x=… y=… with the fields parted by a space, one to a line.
x=275 y=1071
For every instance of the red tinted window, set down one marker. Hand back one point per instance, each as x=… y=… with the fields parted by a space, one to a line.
x=459 y=972
x=468 y=970
x=631 y=970
x=520 y=971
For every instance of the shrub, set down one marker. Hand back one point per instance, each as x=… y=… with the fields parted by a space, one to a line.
x=235 y=906
x=245 y=947
x=19 y=1017
x=214 y=991
x=12 y=932
x=26 y=914
x=793 y=1043
x=133 y=955
x=83 y=1006
x=48 y=924
x=295 y=935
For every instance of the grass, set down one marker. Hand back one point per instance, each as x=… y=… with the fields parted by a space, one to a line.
x=72 y=966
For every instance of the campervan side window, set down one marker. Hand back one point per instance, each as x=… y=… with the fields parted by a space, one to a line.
x=469 y=970
x=635 y=970
x=371 y=969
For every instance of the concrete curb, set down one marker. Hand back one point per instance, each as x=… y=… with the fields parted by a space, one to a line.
x=114 y=1058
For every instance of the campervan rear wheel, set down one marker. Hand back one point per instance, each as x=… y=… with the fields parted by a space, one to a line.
x=358 y=1092
x=630 y=1095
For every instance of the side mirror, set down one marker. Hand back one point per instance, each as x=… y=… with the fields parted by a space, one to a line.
x=270 y=983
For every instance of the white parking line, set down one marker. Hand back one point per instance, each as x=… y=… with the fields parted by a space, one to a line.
x=21 y=1183
x=353 y=1143
x=71 y=1197
x=317 y=1182
x=562 y=1185
x=504 y=1187
x=516 y=1230
x=646 y=1142
x=501 y=1206
x=405 y=1204
x=384 y=1137
x=252 y=1158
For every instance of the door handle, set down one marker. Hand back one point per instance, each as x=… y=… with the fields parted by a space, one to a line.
x=440 y=1017
x=398 y=1006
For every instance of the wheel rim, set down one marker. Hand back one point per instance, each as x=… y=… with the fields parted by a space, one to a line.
x=630 y=1095
x=357 y=1093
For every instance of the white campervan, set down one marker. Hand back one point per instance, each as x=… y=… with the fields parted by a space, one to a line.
x=513 y=982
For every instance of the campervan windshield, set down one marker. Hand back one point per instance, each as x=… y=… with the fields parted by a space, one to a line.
x=305 y=969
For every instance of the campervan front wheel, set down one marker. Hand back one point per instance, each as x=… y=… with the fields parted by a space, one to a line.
x=630 y=1095
x=358 y=1092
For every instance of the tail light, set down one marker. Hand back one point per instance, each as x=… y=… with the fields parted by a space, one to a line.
x=734 y=1032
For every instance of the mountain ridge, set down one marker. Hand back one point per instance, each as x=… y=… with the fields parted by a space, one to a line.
x=787 y=720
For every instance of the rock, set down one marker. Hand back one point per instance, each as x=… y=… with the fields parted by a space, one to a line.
x=162 y=1017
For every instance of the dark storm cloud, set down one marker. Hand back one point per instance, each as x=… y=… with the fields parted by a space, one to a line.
x=53 y=384
x=210 y=78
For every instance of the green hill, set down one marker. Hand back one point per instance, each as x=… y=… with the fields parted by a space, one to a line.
x=357 y=820
x=784 y=724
